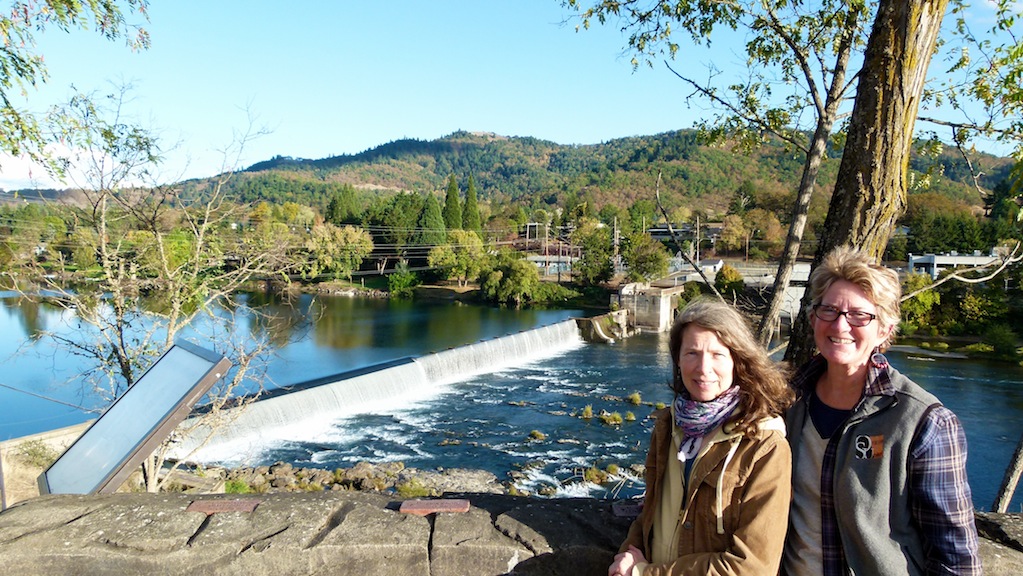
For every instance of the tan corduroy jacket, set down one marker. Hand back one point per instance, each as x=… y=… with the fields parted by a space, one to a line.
x=734 y=514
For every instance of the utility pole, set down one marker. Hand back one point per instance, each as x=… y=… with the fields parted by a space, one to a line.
x=697 y=239
x=617 y=257
x=546 y=251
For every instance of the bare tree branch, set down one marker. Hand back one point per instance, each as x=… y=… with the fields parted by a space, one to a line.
x=1012 y=258
x=678 y=240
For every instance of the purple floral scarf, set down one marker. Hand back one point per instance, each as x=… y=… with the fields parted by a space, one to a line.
x=697 y=418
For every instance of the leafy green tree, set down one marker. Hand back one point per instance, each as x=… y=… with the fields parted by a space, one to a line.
x=260 y=214
x=642 y=215
x=84 y=244
x=745 y=199
x=336 y=250
x=519 y=216
x=806 y=47
x=509 y=279
x=1003 y=340
x=681 y=215
x=691 y=290
x=645 y=257
x=764 y=225
x=21 y=67
x=461 y=258
x=733 y=233
x=612 y=215
x=916 y=311
x=452 y=206
x=442 y=259
x=471 y=210
x=431 y=223
x=594 y=265
x=162 y=258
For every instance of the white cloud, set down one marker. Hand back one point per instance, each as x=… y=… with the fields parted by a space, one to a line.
x=19 y=173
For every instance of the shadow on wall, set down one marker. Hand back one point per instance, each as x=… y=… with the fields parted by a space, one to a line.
x=577 y=536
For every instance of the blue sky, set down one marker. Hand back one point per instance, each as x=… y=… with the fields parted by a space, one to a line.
x=331 y=78
x=339 y=77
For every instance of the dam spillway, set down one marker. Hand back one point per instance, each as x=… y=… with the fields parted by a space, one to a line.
x=294 y=412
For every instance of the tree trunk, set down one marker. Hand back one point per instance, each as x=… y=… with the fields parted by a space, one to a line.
x=870 y=193
x=783 y=276
x=827 y=113
x=1011 y=479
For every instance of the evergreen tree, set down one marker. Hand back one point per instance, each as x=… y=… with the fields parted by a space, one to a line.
x=471 y=210
x=452 y=207
x=431 y=224
x=341 y=207
x=398 y=217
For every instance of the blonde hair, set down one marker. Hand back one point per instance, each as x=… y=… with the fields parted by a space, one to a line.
x=763 y=387
x=880 y=284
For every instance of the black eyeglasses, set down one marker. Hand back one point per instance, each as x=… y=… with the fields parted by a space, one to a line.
x=856 y=318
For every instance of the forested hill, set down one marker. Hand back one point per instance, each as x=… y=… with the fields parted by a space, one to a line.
x=530 y=171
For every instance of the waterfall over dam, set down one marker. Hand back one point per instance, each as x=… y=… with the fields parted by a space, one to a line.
x=298 y=411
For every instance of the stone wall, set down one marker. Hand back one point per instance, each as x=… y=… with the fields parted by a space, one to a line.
x=342 y=533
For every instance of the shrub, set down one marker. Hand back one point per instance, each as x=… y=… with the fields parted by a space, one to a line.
x=635 y=399
x=611 y=419
x=979 y=347
x=413 y=488
x=758 y=254
x=237 y=487
x=595 y=475
x=550 y=292
x=729 y=281
x=587 y=412
x=630 y=417
x=402 y=283
x=1002 y=340
x=37 y=453
x=690 y=290
x=537 y=435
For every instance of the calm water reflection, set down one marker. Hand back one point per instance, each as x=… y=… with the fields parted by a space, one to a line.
x=317 y=336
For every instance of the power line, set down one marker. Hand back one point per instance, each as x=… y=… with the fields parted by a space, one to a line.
x=75 y=406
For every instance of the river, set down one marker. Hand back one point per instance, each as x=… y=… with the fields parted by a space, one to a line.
x=523 y=415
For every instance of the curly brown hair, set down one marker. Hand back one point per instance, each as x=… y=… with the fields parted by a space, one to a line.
x=763 y=385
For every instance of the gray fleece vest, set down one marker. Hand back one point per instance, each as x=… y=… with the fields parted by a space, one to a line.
x=871 y=478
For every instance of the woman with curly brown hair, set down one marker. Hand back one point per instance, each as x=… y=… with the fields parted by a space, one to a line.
x=718 y=469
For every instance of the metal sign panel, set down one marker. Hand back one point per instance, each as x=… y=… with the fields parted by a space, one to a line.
x=136 y=423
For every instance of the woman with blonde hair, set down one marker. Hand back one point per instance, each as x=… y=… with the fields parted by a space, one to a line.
x=879 y=465
x=718 y=468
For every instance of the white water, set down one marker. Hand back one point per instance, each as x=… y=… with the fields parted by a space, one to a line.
x=309 y=410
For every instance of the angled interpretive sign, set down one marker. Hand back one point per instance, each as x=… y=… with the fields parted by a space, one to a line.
x=136 y=423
